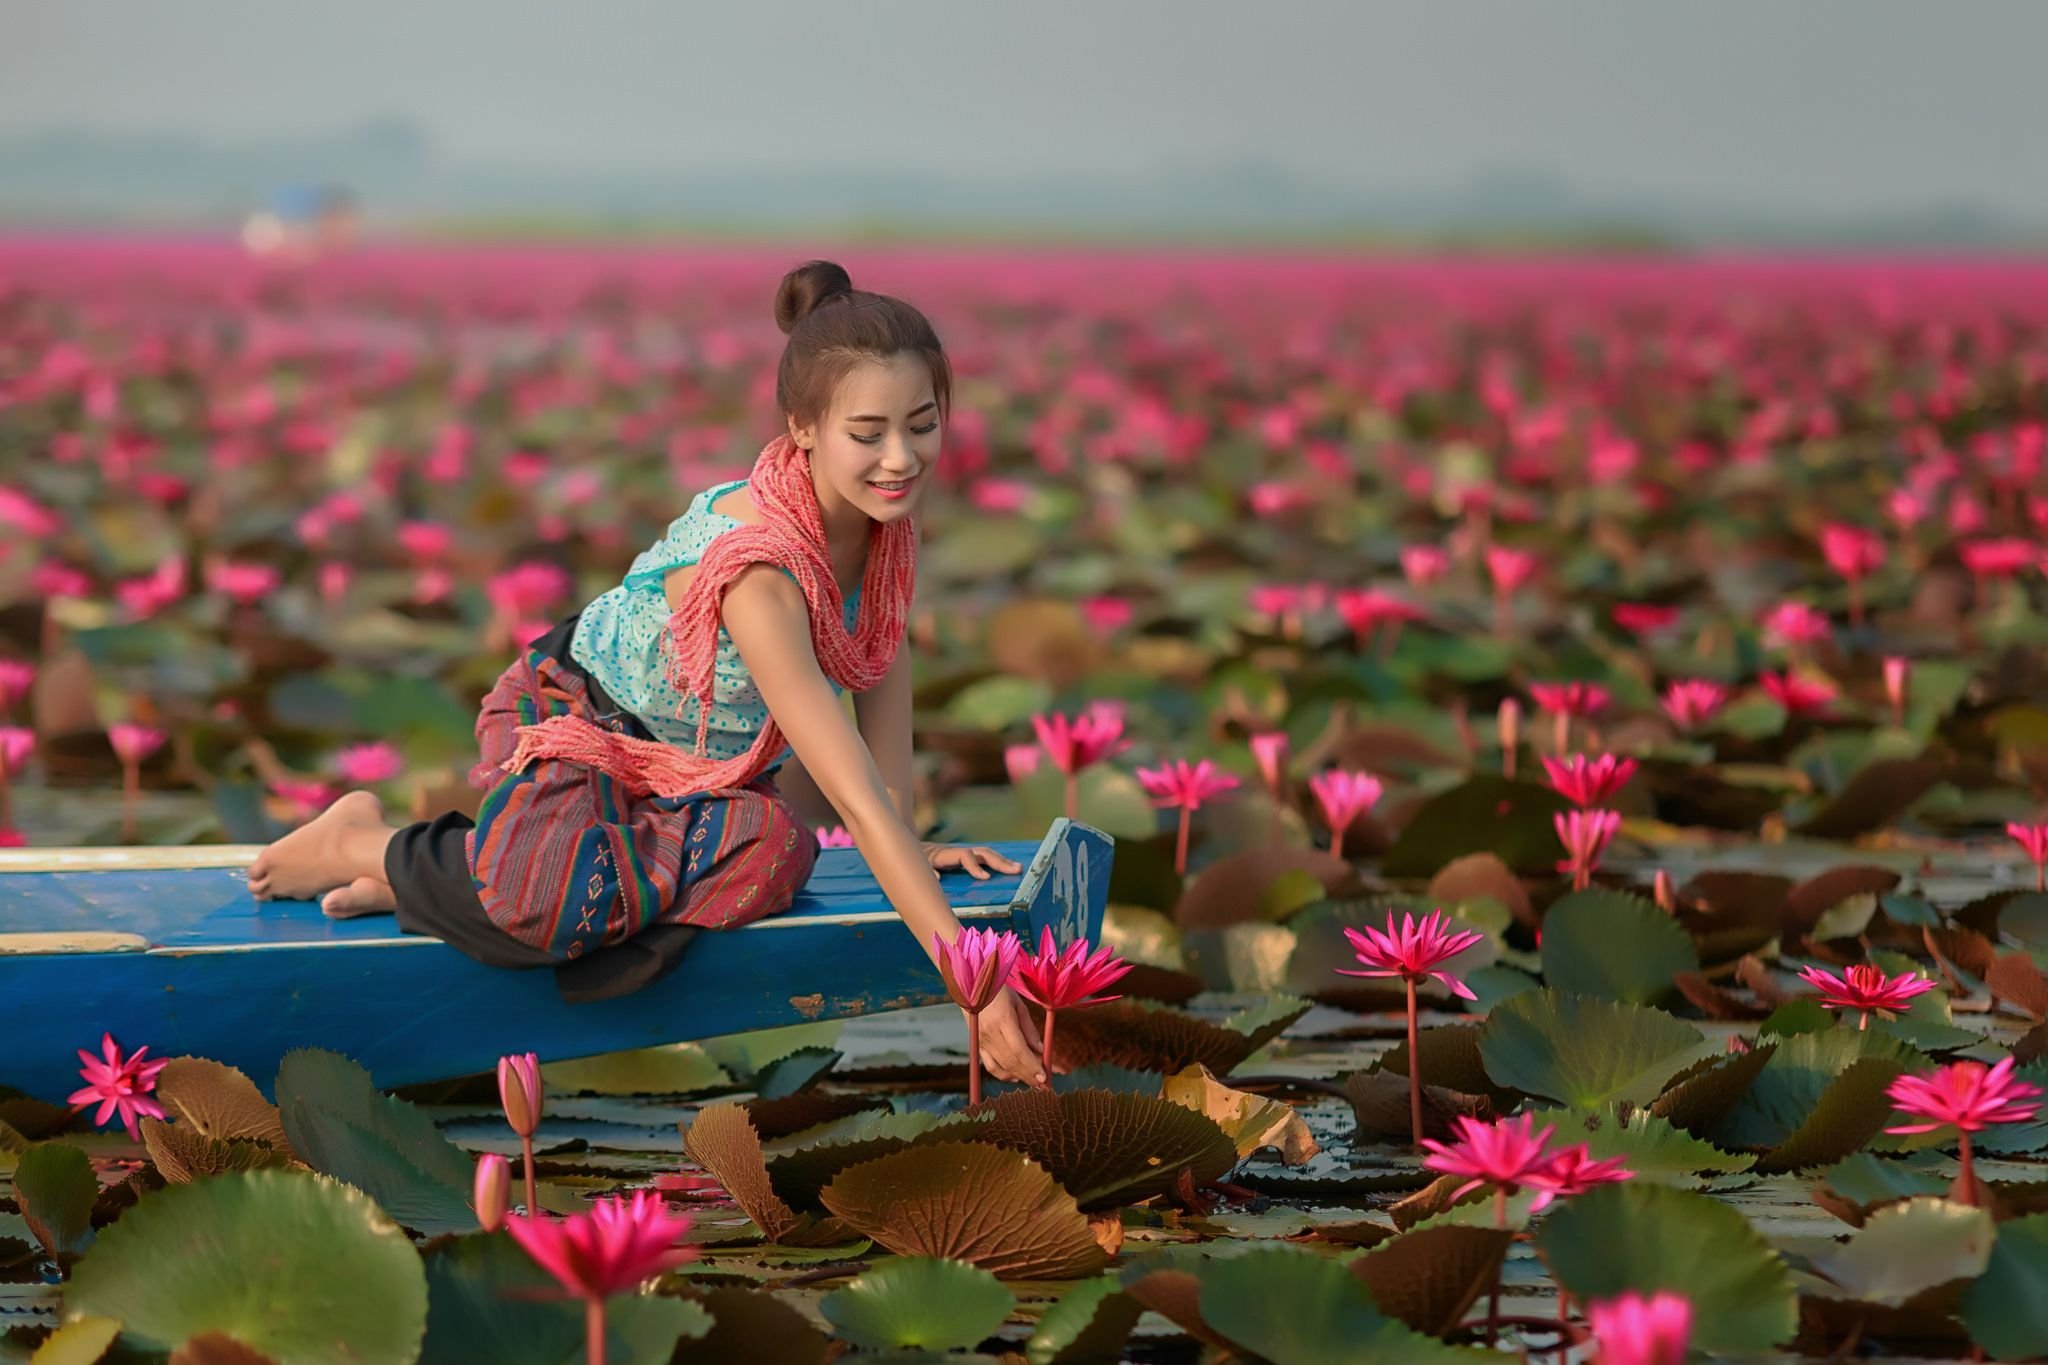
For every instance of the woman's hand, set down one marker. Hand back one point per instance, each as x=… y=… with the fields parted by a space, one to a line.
x=1010 y=1043
x=970 y=856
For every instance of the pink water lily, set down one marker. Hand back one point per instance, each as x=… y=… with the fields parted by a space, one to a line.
x=1506 y=1154
x=119 y=1084
x=1969 y=1097
x=1897 y=677
x=976 y=966
x=1565 y=702
x=1185 y=785
x=1020 y=761
x=1078 y=743
x=133 y=744
x=244 y=583
x=1589 y=781
x=1422 y=565
x=1640 y=1329
x=1865 y=988
x=1344 y=796
x=1855 y=554
x=1059 y=979
x=1365 y=610
x=1798 y=694
x=1106 y=615
x=365 y=765
x=522 y=1097
x=1693 y=702
x=1792 y=624
x=1269 y=751
x=1573 y=1171
x=833 y=836
x=2033 y=839
x=610 y=1250
x=1644 y=618
x=1412 y=952
x=16 y=678
x=1585 y=835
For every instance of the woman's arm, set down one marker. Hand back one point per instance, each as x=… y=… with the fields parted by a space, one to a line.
x=883 y=715
x=769 y=621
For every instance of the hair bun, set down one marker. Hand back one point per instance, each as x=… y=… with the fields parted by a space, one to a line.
x=806 y=287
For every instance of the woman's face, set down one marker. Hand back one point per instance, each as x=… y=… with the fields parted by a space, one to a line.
x=883 y=428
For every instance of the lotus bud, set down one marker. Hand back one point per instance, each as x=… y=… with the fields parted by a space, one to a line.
x=1510 y=735
x=520 y=1092
x=1897 y=669
x=1667 y=898
x=493 y=1191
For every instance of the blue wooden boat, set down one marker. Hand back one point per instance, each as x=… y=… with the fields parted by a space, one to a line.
x=165 y=947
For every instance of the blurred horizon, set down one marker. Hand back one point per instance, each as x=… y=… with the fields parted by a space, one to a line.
x=1589 y=120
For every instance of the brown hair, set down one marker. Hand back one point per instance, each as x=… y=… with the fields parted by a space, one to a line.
x=833 y=327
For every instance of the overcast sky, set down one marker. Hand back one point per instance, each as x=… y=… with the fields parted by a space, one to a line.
x=1828 y=106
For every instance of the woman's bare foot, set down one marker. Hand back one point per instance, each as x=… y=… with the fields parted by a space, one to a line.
x=340 y=844
x=363 y=896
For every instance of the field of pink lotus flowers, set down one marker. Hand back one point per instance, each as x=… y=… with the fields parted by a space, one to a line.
x=1587 y=717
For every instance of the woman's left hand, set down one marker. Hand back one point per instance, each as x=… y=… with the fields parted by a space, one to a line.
x=976 y=858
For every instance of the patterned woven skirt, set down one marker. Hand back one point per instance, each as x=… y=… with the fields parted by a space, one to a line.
x=560 y=861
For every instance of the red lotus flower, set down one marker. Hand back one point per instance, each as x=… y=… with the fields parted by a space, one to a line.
x=119 y=1084
x=1060 y=979
x=1851 y=551
x=1506 y=1154
x=1791 y=624
x=1800 y=696
x=425 y=540
x=2004 y=557
x=976 y=966
x=1106 y=615
x=1509 y=568
x=1897 y=676
x=307 y=799
x=607 y=1251
x=1967 y=1096
x=1365 y=610
x=2034 y=839
x=1589 y=782
x=245 y=583
x=1644 y=618
x=1413 y=952
x=1693 y=702
x=1585 y=835
x=1582 y=699
x=17 y=742
x=1021 y=760
x=1573 y=1171
x=1422 y=565
x=1864 y=988
x=135 y=743
x=1186 y=785
x=1269 y=748
x=1081 y=742
x=1344 y=796
x=1635 y=1329
x=366 y=764
x=15 y=680
x=833 y=836
x=491 y=1196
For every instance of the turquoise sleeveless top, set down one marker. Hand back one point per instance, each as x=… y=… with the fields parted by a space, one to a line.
x=618 y=642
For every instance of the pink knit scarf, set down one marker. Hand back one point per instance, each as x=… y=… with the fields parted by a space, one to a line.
x=792 y=535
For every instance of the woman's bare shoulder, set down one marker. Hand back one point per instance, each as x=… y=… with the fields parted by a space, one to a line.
x=738 y=503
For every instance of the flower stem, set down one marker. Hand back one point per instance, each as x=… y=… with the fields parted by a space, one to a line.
x=1969 y=1179
x=526 y=1151
x=593 y=1330
x=1047 y=1047
x=1337 y=844
x=131 y=794
x=1180 y=849
x=1073 y=796
x=1414 y=1069
x=1500 y=1220
x=973 y=1058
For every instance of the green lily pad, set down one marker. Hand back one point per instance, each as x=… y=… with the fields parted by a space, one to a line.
x=55 y=1186
x=998 y=702
x=1484 y=814
x=339 y=1124
x=1653 y=1148
x=1585 y=1052
x=297 y=1266
x=1299 y=1306
x=1906 y=1249
x=794 y=1071
x=1090 y=1322
x=2006 y=1308
x=744 y=1054
x=1867 y=1178
x=1849 y=1113
x=1430 y=1276
x=1789 y=1088
x=488 y=1300
x=1794 y=1017
x=676 y=1069
x=1614 y=946
x=752 y=1324
x=1646 y=1237
x=930 y=1302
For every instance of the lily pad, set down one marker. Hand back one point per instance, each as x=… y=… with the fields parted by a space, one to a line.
x=1653 y=1147
x=722 y=1140
x=1249 y=1121
x=985 y=1205
x=1090 y=1322
x=218 y=1102
x=2006 y=1308
x=1906 y=1249
x=1611 y=945
x=678 y=1069
x=1109 y=1149
x=752 y=1324
x=182 y=1153
x=927 y=1302
x=1646 y=1237
x=1320 y=948
x=297 y=1266
x=1850 y=1112
x=56 y=1188
x=794 y=1071
x=339 y=1124
x=1789 y=1088
x=1299 y=1306
x=1586 y=1052
x=1428 y=1278
x=1484 y=814
x=1145 y=1037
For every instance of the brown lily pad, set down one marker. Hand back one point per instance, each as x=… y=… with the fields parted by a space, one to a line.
x=1130 y=1034
x=1429 y=1278
x=1250 y=1121
x=1147 y=982
x=1717 y=1002
x=807 y=1109
x=1109 y=1148
x=1431 y=1200
x=182 y=1153
x=1380 y=1101
x=1699 y=1097
x=751 y=1324
x=1176 y=1295
x=1756 y=899
x=1752 y=972
x=984 y=1205
x=1451 y=1058
x=218 y=1102
x=2014 y=977
x=2031 y=1045
x=1233 y=889
x=1479 y=876
x=723 y=1141
x=1809 y=900
x=1879 y=793
x=1359 y=1234
x=1982 y=913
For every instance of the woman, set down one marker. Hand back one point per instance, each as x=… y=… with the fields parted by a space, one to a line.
x=629 y=756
